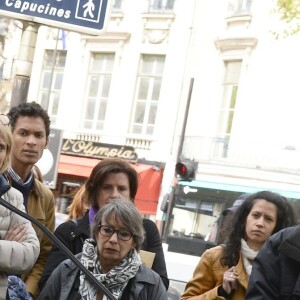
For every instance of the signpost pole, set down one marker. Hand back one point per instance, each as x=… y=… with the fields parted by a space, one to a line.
x=24 y=63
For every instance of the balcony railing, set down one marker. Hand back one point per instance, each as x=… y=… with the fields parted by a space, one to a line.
x=266 y=156
x=135 y=142
x=277 y=157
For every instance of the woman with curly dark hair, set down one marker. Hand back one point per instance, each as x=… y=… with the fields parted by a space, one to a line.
x=223 y=271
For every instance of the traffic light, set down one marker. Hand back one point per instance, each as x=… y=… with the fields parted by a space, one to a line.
x=186 y=170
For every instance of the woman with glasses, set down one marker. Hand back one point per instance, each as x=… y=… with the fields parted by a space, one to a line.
x=223 y=271
x=19 y=245
x=111 y=178
x=111 y=255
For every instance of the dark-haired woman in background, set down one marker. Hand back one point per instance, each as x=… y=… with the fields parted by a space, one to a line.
x=224 y=271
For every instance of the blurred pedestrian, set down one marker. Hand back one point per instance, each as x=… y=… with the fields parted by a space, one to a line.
x=276 y=269
x=223 y=271
x=111 y=255
x=78 y=207
x=223 y=223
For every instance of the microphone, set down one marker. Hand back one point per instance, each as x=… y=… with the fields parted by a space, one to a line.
x=4 y=187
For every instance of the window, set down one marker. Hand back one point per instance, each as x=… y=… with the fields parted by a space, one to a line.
x=239 y=7
x=147 y=94
x=230 y=92
x=117 y=4
x=161 y=5
x=51 y=81
x=98 y=86
x=193 y=217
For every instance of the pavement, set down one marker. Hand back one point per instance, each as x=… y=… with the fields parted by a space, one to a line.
x=180 y=268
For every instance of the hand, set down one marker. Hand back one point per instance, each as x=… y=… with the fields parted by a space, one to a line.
x=16 y=233
x=229 y=281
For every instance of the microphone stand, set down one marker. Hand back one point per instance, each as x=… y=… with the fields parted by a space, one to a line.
x=60 y=245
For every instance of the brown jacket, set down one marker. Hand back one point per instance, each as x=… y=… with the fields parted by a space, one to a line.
x=208 y=276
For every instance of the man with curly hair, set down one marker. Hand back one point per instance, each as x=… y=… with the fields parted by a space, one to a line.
x=30 y=125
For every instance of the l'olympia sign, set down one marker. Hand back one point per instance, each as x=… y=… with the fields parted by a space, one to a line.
x=85 y=16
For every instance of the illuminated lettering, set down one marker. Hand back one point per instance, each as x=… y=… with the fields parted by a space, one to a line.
x=127 y=154
x=91 y=149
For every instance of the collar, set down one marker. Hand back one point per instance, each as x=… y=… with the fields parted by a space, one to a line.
x=17 y=178
x=82 y=227
x=239 y=270
x=143 y=276
x=290 y=245
x=36 y=186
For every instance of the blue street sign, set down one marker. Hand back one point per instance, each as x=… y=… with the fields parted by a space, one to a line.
x=85 y=16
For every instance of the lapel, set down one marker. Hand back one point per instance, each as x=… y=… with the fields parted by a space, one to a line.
x=239 y=270
x=83 y=226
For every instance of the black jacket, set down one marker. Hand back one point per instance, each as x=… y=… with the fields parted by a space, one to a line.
x=63 y=284
x=74 y=233
x=276 y=269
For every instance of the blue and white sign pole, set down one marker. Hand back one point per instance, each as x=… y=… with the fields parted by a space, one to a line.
x=83 y=16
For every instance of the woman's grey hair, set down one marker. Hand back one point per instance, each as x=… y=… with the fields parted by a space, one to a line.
x=123 y=212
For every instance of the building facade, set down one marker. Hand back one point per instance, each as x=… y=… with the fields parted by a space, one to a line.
x=131 y=85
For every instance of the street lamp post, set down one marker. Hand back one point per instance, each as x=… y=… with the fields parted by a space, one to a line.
x=174 y=183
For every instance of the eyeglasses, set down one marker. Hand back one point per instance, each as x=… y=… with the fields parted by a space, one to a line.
x=4 y=120
x=123 y=235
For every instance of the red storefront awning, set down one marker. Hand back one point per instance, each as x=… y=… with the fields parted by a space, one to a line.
x=150 y=178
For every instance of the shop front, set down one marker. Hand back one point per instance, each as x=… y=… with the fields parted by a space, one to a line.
x=197 y=205
x=78 y=158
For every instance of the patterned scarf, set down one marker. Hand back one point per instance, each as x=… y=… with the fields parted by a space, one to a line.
x=115 y=280
x=247 y=253
x=23 y=186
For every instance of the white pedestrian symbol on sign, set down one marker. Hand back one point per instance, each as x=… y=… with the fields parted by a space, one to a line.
x=89 y=8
